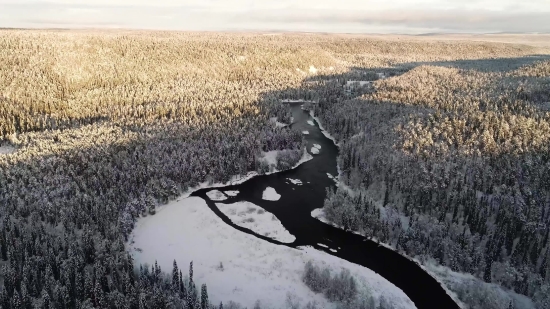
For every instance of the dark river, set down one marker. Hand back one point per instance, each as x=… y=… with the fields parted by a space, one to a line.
x=294 y=208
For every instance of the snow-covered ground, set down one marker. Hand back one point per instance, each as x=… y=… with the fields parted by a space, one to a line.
x=297 y=182
x=305 y=132
x=256 y=219
x=452 y=280
x=299 y=101
x=270 y=158
x=252 y=268
x=231 y=193
x=311 y=123
x=6 y=150
x=270 y=194
x=277 y=123
x=216 y=195
x=358 y=82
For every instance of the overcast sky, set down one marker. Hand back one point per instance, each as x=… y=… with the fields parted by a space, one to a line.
x=356 y=16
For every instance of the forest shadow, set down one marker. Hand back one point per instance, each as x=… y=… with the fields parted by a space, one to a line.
x=485 y=65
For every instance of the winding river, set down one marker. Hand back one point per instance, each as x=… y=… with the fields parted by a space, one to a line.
x=294 y=209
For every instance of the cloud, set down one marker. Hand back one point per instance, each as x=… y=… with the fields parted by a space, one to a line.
x=447 y=20
x=305 y=15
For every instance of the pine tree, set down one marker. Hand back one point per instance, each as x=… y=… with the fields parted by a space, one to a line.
x=191 y=272
x=45 y=301
x=183 y=291
x=175 y=278
x=204 y=297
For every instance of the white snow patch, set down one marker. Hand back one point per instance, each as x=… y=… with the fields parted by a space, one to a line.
x=6 y=150
x=252 y=268
x=311 y=123
x=359 y=83
x=319 y=214
x=297 y=182
x=216 y=195
x=231 y=193
x=270 y=157
x=333 y=250
x=305 y=132
x=270 y=194
x=299 y=101
x=277 y=123
x=317 y=146
x=322 y=245
x=256 y=219
x=312 y=70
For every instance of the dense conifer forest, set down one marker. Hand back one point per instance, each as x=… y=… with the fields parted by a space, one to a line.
x=102 y=127
x=451 y=164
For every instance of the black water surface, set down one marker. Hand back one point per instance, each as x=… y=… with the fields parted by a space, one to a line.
x=294 y=208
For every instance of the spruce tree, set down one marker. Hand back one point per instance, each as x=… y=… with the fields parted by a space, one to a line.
x=204 y=297
x=175 y=277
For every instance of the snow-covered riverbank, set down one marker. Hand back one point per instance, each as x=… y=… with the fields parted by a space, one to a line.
x=187 y=230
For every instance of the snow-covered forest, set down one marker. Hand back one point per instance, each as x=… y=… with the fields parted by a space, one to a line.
x=102 y=127
x=451 y=164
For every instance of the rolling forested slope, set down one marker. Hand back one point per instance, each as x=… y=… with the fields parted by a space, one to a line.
x=107 y=125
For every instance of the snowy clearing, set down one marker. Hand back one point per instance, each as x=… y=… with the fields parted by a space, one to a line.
x=311 y=123
x=6 y=150
x=256 y=219
x=252 y=268
x=216 y=195
x=305 y=132
x=312 y=70
x=270 y=194
x=270 y=157
x=231 y=193
x=359 y=83
x=277 y=123
x=297 y=182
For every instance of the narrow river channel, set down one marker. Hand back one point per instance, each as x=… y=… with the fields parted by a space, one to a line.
x=294 y=209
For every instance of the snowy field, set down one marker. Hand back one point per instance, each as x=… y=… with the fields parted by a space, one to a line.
x=305 y=132
x=256 y=219
x=277 y=123
x=252 y=268
x=216 y=195
x=6 y=150
x=270 y=194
